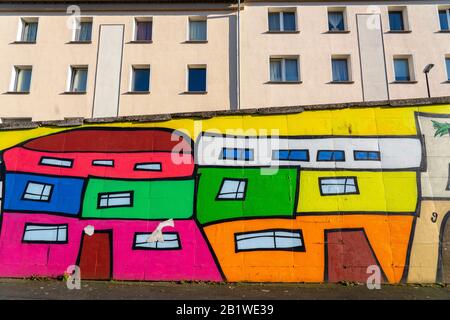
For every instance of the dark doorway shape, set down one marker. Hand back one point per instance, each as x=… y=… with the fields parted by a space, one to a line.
x=444 y=255
x=95 y=257
x=347 y=255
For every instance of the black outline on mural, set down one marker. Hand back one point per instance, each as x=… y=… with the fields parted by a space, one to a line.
x=232 y=199
x=100 y=194
x=355 y=178
x=55 y=165
x=24 y=192
x=301 y=248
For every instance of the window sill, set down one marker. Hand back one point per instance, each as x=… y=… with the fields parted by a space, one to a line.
x=284 y=82
x=79 y=42
x=443 y=31
x=137 y=92
x=195 y=92
x=23 y=42
x=141 y=41
x=74 y=92
x=404 y=82
x=196 y=41
x=337 y=31
x=398 y=31
x=281 y=32
x=448 y=81
x=341 y=82
x=17 y=92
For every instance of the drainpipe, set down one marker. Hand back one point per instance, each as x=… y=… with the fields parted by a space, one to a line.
x=238 y=54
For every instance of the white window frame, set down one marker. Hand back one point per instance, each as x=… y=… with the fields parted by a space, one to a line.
x=74 y=31
x=44 y=196
x=281 y=12
x=283 y=68
x=447 y=70
x=196 y=18
x=20 y=29
x=343 y=10
x=349 y=66
x=197 y=66
x=338 y=181
x=273 y=236
x=140 y=67
x=142 y=19
x=169 y=238
x=15 y=77
x=404 y=10
x=447 y=11
x=410 y=58
x=70 y=77
x=114 y=195
x=60 y=236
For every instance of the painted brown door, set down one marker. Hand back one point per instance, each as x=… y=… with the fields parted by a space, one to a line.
x=445 y=253
x=348 y=254
x=95 y=256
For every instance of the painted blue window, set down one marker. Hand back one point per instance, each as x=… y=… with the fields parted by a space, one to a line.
x=396 y=21
x=331 y=155
x=237 y=154
x=444 y=19
x=291 y=155
x=197 y=80
x=367 y=155
x=336 y=21
x=401 y=67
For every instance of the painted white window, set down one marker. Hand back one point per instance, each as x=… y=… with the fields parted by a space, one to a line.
x=282 y=21
x=37 y=191
x=232 y=189
x=45 y=233
x=197 y=29
x=56 y=162
x=341 y=185
x=171 y=241
x=28 y=29
x=105 y=163
x=21 y=81
x=78 y=79
x=284 y=69
x=151 y=166
x=115 y=199
x=270 y=240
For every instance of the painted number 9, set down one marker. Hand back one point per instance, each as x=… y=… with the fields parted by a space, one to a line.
x=434 y=217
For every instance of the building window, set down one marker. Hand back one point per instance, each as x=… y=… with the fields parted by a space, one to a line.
x=232 y=189
x=56 y=162
x=396 y=21
x=44 y=233
x=150 y=166
x=143 y=29
x=78 y=79
x=197 y=79
x=29 y=28
x=37 y=191
x=22 y=79
x=284 y=70
x=290 y=155
x=115 y=199
x=197 y=29
x=331 y=155
x=340 y=69
x=402 y=69
x=282 y=21
x=171 y=242
x=447 y=66
x=367 y=155
x=84 y=31
x=140 y=81
x=283 y=239
x=336 y=20
x=444 y=19
x=334 y=186
x=236 y=154
x=103 y=163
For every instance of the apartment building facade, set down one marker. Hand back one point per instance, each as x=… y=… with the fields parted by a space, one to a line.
x=106 y=59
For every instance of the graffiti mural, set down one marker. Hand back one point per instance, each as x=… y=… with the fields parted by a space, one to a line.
x=307 y=197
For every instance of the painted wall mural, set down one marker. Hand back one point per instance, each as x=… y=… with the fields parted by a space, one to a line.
x=308 y=197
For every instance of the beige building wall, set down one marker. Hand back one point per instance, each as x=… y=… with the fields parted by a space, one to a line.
x=169 y=55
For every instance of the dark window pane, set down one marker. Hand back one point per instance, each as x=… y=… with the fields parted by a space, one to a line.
x=141 y=80
x=443 y=19
x=447 y=64
x=401 y=67
x=29 y=31
x=289 y=21
x=291 y=67
x=197 y=79
x=336 y=21
x=85 y=31
x=144 y=31
x=396 y=21
x=274 y=21
x=340 y=70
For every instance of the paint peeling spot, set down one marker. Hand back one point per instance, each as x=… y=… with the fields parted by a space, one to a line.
x=89 y=230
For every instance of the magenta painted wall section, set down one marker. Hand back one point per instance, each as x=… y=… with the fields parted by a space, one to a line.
x=194 y=261
x=172 y=164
